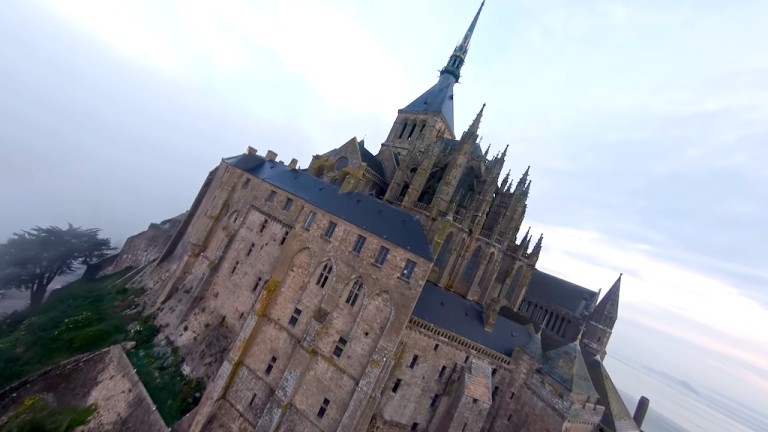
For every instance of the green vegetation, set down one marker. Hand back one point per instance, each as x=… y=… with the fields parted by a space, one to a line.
x=36 y=415
x=86 y=316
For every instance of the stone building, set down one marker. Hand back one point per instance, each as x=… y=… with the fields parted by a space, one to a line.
x=382 y=293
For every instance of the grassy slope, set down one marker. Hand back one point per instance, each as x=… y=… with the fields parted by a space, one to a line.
x=89 y=315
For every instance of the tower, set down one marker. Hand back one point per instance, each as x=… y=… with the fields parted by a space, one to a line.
x=421 y=122
x=599 y=327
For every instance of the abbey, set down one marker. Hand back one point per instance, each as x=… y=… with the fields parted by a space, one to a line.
x=382 y=292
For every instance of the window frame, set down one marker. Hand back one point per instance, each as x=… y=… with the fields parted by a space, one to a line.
x=288 y=204
x=381 y=255
x=310 y=220
x=330 y=230
x=271 y=197
x=409 y=268
x=354 y=293
x=357 y=248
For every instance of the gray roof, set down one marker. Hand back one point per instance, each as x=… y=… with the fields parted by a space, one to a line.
x=439 y=99
x=456 y=314
x=366 y=212
x=559 y=292
x=369 y=159
x=616 y=417
x=566 y=365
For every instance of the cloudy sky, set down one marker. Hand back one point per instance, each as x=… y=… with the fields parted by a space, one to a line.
x=645 y=123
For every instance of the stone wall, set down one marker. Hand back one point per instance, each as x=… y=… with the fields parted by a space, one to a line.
x=105 y=378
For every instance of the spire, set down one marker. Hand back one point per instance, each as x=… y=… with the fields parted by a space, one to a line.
x=526 y=241
x=537 y=247
x=487 y=149
x=475 y=126
x=439 y=98
x=607 y=310
x=504 y=153
x=456 y=61
x=506 y=180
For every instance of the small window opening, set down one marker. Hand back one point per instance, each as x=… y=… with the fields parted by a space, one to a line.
x=339 y=347
x=493 y=373
x=434 y=401
x=330 y=230
x=288 y=204
x=262 y=226
x=509 y=418
x=250 y=249
x=324 y=274
x=437 y=345
x=414 y=426
x=285 y=237
x=294 y=318
x=253 y=399
x=397 y=385
x=256 y=285
x=413 y=128
x=235 y=266
x=323 y=408
x=402 y=131
x=442 y=372
x=512 y=396
x=495 y=392
x=310 y=220
x=413 y=361
x=474 y=401
x=381 y=257
x=354 y=293
x=246 y=183
x=271 y=197
x=270 y=366
x=466 y=359
x=408 y=269
x=359 y=243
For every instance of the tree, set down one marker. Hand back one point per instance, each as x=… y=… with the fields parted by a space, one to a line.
x=30 y=260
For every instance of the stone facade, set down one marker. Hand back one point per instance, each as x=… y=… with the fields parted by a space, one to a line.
x=379 y=293
x=105 y=378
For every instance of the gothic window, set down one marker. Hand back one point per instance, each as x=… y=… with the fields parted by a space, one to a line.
x=442 y=254
x=341 y=163
x=413 y=128
x=325 y=273
x=404 y=190
x=513 y=285
x=354 y=293
x=381 y=257
x=471 y=269
x=402 y=131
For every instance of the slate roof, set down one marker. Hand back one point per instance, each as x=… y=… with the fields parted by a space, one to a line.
x=439 y=99
x=454 y=313
x=616 y=417
x=369 y=159
x=478 y=381
x=566 y=365
x=559 y=292
x=366 y=212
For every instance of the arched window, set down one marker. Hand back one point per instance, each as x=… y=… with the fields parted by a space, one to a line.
x=402 y=131
x=471 y=269
x=325 y=273
x=413 y=128
x=442 y=254
x=354 y=293
x=513 y=285
x=404 y=190
x=341 y=163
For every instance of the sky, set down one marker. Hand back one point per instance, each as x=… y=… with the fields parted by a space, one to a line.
x=644 y=124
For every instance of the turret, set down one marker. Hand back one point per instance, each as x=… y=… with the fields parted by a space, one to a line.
x=599 y=326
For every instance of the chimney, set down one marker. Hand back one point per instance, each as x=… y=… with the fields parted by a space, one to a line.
x=271 y=156
x=641 y=410
x=293 y=163
x=251 y=150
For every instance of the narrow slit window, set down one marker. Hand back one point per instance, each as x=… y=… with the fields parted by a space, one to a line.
x=415 y=426
x=408 y=269
x=234 y=268
x=288 y=204
x=253 y=399
x=354 y=293
x=442 y=372
x=495 y=392
x=310 y=220
x=285 y=237
x=323 y=408
x=330 y=230
x=437 y=345
x=271 y=197
x=246 y=183
x=512 y=396
x=466 y=359
x=397 y=385
x=509 y=418
x=434 y=400
x=250 y=249
x=270 y=366
x=262 y=227
x=256 y=285
x=359 y=243
x=414 y=359
x=294 y=318
x=325 y=273
x=381 y=257
x=339 y=347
